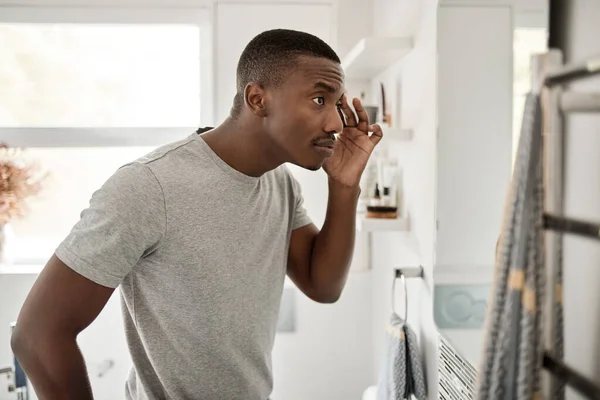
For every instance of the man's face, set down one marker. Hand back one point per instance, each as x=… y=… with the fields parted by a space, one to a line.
x=303 y=112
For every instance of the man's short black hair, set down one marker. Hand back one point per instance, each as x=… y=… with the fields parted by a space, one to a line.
x=267 y=58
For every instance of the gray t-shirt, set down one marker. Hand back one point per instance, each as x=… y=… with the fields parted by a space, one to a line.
x=200 y=253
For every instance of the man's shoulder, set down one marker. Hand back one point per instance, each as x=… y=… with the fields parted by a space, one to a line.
x=178 y=158
x=165 y=151
x=283 y=175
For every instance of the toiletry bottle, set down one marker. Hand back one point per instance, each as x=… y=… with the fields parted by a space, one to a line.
x=376 y=199
x=367 y=182
x=386 y=199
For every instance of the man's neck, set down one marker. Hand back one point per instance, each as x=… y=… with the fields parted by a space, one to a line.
x=245 y=149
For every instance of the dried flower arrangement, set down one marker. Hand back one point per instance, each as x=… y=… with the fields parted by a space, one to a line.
x=19 y=179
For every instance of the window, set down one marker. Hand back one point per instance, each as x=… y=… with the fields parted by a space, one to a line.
x=83 y=75
x=88 y=90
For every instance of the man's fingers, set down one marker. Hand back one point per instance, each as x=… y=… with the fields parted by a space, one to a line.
x=348 y=113
x=363 y=117
x=376 y=135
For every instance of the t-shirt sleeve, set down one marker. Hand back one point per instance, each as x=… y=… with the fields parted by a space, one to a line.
x=301 y=217
x=125 y=220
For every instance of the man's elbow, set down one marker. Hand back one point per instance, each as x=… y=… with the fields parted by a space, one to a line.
x=18 y=344
x=28 y=343
x=326 y=297
x=325 y=293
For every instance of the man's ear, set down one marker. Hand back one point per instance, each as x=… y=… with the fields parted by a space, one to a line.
x=255 y=98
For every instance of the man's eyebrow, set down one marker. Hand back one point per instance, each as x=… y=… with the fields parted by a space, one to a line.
x=325 y=86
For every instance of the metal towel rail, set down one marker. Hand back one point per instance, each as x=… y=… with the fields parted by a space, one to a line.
x=403 y=273
x=549 y=75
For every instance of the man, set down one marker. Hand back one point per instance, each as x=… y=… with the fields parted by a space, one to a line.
x=199 y=235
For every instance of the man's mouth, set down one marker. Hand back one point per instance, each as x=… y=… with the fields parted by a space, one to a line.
x=329 y=143
x=324 y=146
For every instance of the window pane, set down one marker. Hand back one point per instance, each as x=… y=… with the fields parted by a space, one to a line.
x=73 y=176
x=92 y=75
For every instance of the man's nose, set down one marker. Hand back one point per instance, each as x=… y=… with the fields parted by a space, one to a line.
x=335 y=122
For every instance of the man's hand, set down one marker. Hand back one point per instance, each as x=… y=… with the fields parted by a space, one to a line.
x=353 y=146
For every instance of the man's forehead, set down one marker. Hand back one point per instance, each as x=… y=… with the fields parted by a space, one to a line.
x=320 y=73
x=330 y=87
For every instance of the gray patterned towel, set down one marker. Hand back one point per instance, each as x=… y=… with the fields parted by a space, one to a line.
x=512 y=360
x=401 y=375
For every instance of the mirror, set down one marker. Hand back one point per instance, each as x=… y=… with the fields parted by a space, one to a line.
x=483 y=76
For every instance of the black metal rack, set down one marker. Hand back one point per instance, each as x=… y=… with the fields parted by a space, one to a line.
x=561 y=102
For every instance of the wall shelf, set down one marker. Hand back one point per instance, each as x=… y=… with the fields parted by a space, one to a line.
x=365 y=224
x=373 y=55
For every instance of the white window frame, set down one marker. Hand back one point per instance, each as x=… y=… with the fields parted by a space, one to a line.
x=114 y=136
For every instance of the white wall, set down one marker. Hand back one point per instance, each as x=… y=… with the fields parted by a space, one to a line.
x=475 y=137
x=330 y=354
x=473 y=155
x=581 y=295
x=417 y=73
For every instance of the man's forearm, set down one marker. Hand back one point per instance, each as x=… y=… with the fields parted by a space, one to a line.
x=334 y=246
x=55 y=368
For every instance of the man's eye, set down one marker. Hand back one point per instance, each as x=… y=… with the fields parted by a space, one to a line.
x=319 y=100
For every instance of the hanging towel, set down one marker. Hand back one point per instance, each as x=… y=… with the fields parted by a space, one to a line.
x=415 y=377
x=512 y=356
x=401 y=374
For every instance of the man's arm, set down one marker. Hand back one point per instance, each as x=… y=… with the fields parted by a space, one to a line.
x=319 y=262
x=60 y=305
